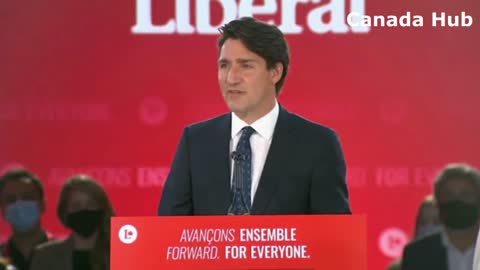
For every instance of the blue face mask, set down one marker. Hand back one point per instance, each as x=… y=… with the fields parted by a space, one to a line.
x=23 y=215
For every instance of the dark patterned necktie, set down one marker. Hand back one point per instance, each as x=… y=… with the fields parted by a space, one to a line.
x=242 y=174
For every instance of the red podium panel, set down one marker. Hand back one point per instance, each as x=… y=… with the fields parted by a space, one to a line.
x=328 y=242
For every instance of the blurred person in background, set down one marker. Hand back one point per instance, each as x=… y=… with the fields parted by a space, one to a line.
x=5 y=264
x=426 y=224
x=428 y=220
x=22 y=203
x=457 y=193
x=85 y=208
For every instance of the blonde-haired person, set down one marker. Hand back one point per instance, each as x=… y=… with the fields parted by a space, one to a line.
x=428 y=220
x=85 y=208
x=426 y=223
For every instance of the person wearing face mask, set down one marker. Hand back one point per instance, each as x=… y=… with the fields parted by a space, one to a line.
x=85 y=208
x=457 y=194
x=22 y=204
x=426 y=223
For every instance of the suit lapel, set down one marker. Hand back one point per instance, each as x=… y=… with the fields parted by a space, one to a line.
x=66 y=258
x=276 y=158
x=437 y=253
x=221 y=160
x=442 y=258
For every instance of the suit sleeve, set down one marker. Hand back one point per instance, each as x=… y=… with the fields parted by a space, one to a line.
x=408 y=261
x=329 y=192
x=177 y=192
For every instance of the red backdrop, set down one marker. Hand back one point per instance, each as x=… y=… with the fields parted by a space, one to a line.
x=79 y=92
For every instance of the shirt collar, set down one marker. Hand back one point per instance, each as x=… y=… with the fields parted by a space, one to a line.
x=447 y=243
x=264 y=126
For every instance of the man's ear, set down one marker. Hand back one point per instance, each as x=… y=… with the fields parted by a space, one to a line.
x=276 y=72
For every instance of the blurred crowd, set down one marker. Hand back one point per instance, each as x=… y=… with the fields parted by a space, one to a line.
x=83 y=207
x=444 y=238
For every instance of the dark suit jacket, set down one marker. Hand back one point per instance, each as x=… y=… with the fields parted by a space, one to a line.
x=304 y=172
x=426 y=253
x=53 y=255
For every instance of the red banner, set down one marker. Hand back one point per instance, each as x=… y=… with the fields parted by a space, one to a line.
x=82 y=90
x=239 y=242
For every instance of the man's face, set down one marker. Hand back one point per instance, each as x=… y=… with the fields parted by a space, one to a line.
x=247 y=86
x=23 y=190
x=458 y=189
x=458 y=200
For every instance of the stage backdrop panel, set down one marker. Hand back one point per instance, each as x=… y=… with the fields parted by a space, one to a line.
x=83 y=90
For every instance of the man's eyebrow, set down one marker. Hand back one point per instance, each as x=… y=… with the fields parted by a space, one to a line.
x=241 y=60
x=245 y=60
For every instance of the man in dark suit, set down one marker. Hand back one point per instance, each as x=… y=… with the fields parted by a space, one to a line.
x=260 y=158
x=457 y=193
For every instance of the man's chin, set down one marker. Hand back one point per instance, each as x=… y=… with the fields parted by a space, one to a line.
x=238 y=112
x=236 y=108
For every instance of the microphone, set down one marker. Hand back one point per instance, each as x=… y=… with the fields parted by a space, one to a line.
x=238 y=156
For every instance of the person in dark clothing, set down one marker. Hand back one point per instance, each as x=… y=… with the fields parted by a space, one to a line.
x=85 y=208
x=22 y=203
x=457 y=194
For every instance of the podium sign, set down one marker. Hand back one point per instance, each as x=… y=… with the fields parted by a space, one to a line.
x=331 y=242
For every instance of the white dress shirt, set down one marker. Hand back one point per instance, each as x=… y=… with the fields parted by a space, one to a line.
x=476 y=256
x=260 y=142
x=457 y=260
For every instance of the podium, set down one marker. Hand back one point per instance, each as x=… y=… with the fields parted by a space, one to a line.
x=300 y=242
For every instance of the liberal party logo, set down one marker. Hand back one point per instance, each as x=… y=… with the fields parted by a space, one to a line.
x=127 y=234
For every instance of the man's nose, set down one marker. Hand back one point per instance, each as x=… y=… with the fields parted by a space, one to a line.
x=233 y=75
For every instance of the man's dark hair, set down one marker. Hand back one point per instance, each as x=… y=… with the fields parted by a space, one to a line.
x=18 y=175
x=457 y=171
x=261 y=38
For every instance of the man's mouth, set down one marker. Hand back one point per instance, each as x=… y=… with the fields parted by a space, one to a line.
x=235 y=92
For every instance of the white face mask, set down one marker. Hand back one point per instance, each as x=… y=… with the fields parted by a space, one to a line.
x=427 y=230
